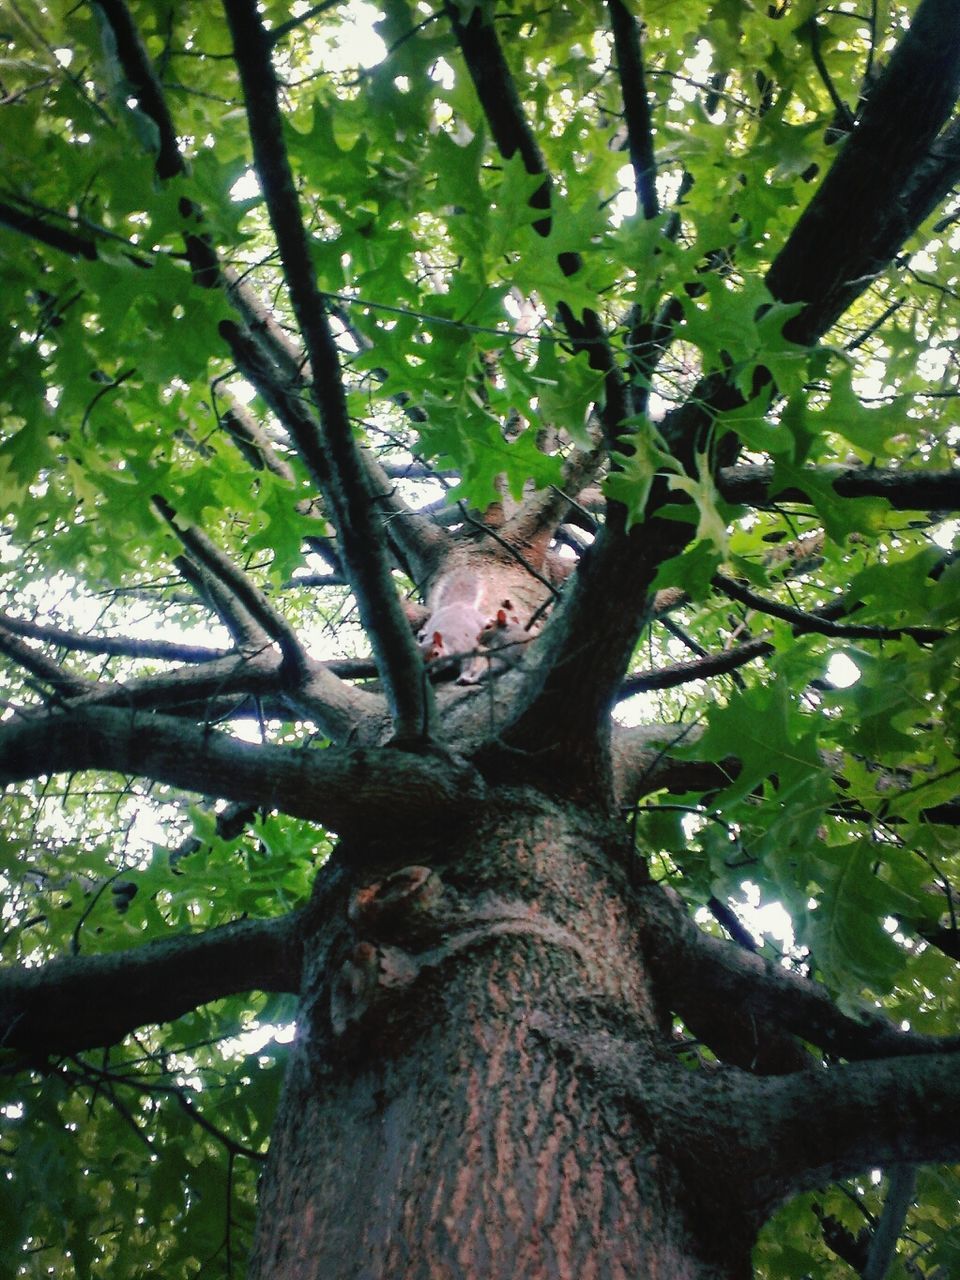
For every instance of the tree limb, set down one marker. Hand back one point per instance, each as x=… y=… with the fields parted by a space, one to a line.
x=503 y=110
x=296 y=664
x=798 y=1132
x=417 y=540
x=82 y=1002
x=678 y=673
x=901 y=1183
x=37 y=228
x=116 y=646
x=45 y=669
x=790 y=1132
x=824 y=262
x=358 y=790
x=636 y=108
x=144 y=83
x=250 y=438
x=829 y=256
x=694 y=968
x=904 y=490
x=248 y=634
x=334 y=459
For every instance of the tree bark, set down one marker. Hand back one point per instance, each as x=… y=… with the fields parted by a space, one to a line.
x=429 y=1129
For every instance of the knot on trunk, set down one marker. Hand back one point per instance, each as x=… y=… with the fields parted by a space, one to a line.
x=408 y=906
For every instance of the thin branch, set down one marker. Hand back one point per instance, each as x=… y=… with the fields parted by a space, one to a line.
x=45 y=669
x=116 y=646
x=875 y=325
x=901 y=1184
x=511 y=550
x=678 y=673
x=217 y=690
x=333 y=458
x=277 y=33
x=140 y=75
x=296 y=662
x=636 y=107
x=844 y=115
x=179 y=1095
x=229 y=822
x=804 y=622
x=252 y=441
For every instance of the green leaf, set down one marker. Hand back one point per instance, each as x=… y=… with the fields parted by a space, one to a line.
x=846 y=935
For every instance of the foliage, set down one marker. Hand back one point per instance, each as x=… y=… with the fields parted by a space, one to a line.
x=445 y=292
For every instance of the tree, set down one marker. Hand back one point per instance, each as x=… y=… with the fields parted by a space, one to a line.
x=477 y=530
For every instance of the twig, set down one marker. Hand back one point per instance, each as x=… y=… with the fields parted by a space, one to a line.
x=284 y=29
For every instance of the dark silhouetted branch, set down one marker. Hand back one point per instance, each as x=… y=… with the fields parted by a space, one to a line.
x=82 y=1002
x=904 y=490
x=333 y=457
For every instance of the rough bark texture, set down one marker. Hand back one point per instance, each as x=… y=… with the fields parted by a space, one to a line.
x=429 y=1129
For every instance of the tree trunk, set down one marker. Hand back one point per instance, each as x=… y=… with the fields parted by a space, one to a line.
x=430 y=1127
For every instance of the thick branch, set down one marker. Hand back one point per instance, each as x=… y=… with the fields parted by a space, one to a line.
x=249 y=636
x=824 y=264
x=81 y=1002
x=349 y=791
x=335 y=460
x=695 y=969
x=830 y=254
x=904 y=490
x=643 y=763
x=236 y=686
x=789 y=1132
x=37 y=228
x=802 y=1131
x=503 y=110
x=901 y=1185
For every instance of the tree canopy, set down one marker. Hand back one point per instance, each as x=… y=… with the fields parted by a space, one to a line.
x=648 y=315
